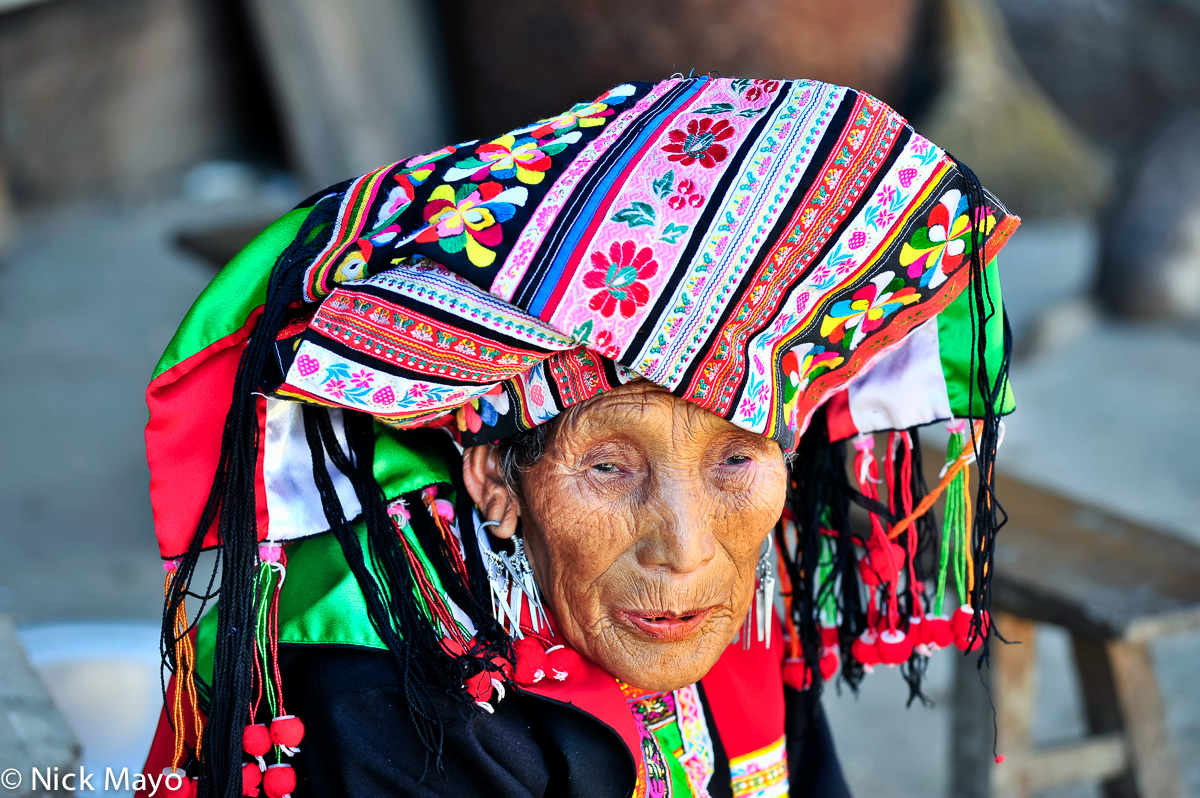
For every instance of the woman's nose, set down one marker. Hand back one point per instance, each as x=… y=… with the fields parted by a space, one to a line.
x=677 y=533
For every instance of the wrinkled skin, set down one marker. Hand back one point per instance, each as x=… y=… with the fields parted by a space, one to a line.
x=643 y=504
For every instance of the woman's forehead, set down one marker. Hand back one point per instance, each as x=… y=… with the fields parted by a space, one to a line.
x=649 y=406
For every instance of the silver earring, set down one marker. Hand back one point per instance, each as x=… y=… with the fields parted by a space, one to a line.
x=511 y=581
x=764 y=600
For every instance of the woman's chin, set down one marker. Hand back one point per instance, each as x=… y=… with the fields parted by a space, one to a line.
x=655 y=655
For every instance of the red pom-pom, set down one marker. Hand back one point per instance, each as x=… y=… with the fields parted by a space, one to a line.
x=864 y=648
x=999 y=759
x=532 y=666
x=175 y=784
x=829 y=636
x=563 y=662
x=287 y=731
x=479 y=686
x=251 y=778
x=894 y=647
x=962 y=630
x=830 y=662
x=936 y=632
x=504 y=665
x=453 y=647
x=796 y=674
x=279 y=781
x=960 y=622
x=888 y=559
x=256 y=740
x=967 y=644
x=869 y=576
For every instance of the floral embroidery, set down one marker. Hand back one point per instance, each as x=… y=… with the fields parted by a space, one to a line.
x=685 y=194
x=353 y=265
x=818 y=361
x=341 y=384
x=581 y=115
x=867 y=308
x=420 y=167
x=525 y=158
x=760 y=87
x=619 y=275
x=798 y=372
x=470 y=218
x=936 y=250
x=700 y=142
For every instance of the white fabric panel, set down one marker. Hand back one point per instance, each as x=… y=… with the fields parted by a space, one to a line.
x=293 y=504
x=912 y=370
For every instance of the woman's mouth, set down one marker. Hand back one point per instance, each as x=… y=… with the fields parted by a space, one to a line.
x=666 y=626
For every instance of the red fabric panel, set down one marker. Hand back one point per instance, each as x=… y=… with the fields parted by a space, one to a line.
x=188 y=404
x=745 y=692
x=837 y=412
x=593 y=690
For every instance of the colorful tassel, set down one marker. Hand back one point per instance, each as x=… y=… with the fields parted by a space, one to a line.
x=185 y=677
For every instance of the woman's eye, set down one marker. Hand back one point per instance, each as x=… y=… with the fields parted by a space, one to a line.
x=605 y=468
x=737 y=459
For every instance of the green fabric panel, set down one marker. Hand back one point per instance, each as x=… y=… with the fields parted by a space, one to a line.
x=670 y=742
x=241 y=286
x=954 y=341
x=206 y=642
x=320 y=602
x=408 y=460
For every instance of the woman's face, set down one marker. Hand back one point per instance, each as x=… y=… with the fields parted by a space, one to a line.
x=643 y=522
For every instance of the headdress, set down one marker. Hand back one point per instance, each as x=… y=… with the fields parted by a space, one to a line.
x=789 y=255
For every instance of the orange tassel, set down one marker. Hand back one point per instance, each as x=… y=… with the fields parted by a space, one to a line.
x=185 y=659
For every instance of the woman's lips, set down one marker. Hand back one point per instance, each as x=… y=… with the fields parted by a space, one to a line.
x=664 y=626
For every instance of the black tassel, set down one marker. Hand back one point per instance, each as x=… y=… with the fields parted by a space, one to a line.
x=393 y=613
x=989 y=516
x=232 y=503
x=819 y=499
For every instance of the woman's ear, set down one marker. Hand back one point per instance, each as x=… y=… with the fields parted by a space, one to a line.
x=485 y=482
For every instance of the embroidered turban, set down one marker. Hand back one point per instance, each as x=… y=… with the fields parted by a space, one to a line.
x=790 y=255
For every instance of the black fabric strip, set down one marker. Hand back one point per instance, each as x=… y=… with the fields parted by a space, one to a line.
x=570 y=212
x=867 y=194
x=817 y=168
x=704 y=222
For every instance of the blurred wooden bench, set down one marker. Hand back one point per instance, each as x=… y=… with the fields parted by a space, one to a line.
x=1115 y=586
x=33 y=732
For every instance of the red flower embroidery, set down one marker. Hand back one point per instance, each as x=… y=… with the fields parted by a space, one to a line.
x=619 y=276
x=699 y=143
x=681 y=198
x=761 y=87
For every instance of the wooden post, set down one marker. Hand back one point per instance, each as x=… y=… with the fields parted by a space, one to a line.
x=358 y=82
x=1100 y=707
x=1154 y=767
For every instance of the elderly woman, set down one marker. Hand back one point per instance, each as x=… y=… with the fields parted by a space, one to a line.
x=504 y=449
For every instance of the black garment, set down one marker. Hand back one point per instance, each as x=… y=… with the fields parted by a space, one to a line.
x=359 y=740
